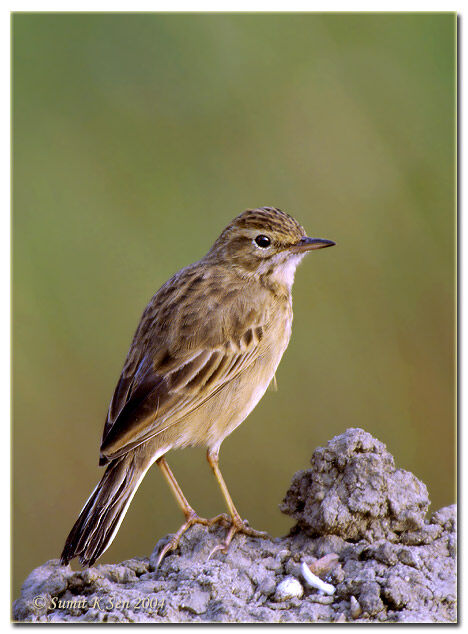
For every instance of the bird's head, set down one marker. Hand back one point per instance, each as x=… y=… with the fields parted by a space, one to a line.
x=265 y=241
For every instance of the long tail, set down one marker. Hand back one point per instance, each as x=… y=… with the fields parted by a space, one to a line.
x=105 y=509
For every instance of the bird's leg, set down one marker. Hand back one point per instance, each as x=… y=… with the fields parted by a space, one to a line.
x=191 y=516
x=238 y=525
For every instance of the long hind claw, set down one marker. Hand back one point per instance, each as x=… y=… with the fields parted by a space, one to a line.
x=237 y=526
x=191 y=519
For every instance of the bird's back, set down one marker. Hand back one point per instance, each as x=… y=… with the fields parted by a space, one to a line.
x=203 y=339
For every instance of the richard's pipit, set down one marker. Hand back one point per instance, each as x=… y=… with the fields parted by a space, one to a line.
x=207 y=346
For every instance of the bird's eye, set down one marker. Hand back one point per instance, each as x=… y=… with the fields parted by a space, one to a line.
x=263 y=241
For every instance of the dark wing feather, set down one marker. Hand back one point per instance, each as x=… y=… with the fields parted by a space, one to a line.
x=162 y=397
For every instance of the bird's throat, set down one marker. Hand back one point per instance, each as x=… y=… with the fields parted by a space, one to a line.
x=283 y=271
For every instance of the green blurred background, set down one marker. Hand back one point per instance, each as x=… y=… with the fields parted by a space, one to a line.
x=136 y=139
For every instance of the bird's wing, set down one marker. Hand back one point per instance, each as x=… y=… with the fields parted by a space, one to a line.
x=165 y=388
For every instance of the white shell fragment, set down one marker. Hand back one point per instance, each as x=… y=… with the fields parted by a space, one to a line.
x=315 y=582
x=355 y=608
x=289 y=588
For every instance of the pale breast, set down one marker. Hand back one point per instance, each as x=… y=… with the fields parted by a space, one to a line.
x=210 y=423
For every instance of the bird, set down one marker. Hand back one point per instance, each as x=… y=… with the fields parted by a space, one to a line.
x=205 y=351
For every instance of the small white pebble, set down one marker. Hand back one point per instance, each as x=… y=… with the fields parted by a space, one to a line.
x=315 y=582
x=289 y=588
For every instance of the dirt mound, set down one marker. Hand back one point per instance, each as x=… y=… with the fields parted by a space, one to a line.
x=361 y=528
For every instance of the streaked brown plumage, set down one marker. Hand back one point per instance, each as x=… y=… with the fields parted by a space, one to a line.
x=207 y=346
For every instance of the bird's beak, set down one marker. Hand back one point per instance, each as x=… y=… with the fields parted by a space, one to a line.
x=307 y=244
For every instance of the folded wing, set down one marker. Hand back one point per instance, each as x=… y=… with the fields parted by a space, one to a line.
x=165 y=388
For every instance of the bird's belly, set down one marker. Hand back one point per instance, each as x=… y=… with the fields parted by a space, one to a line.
x=236 y=402
x=223 y=412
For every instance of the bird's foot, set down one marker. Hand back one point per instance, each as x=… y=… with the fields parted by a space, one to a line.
x=191 y=518
x=238 y=525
